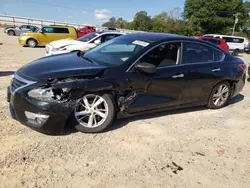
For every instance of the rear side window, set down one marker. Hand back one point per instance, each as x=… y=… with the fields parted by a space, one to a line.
x=212 y=41
x=199 y=53
x=233 y=39
x=61 y=30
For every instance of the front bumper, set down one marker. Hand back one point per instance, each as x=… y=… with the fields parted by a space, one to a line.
x=22 y=40
x=57 y=113
x=49 y=50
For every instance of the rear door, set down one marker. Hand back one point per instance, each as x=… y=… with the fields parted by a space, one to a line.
x=204 y=68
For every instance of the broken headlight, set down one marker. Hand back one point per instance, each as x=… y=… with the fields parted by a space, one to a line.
x=42 y=94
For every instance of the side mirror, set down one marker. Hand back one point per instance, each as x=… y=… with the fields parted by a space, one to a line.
x=41 y=31
x=146 y=68
x=97 y=42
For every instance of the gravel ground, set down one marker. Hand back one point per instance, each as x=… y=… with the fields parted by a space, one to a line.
x=195 y=147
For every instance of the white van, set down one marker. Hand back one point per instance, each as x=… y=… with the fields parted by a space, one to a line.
x=235 y=43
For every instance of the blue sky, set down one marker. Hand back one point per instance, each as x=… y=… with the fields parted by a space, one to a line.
x=85 y=12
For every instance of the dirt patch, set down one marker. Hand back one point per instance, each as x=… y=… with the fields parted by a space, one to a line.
x=194 y=147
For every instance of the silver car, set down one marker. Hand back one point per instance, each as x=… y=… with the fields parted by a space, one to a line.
x=20 y=29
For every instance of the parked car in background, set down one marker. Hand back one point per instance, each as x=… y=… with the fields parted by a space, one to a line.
x=247 y=49
x=85 y=30
x=129 y=75
x=83 y=44
x=236 y=44
x=107 y=28
x=217 y=41
x=20 y=29
x=46 y=35
x=248 y=72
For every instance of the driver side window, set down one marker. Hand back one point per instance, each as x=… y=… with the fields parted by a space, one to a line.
x=23 y=27
x=163 y=55
x=48 y=30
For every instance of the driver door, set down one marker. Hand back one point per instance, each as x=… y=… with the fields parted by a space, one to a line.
x=46 y=36
x=22 y=29
x=163 y=88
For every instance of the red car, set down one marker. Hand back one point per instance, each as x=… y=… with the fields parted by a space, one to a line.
x=85 y=30
x=217 y=41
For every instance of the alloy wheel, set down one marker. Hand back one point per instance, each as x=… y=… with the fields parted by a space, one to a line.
x=221 y=95
x=11 y=33
x=32 y=43
x=91 y=111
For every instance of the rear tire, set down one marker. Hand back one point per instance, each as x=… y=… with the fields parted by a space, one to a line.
x=11 y=33
x=32 y=43
x=93 y=113
x=219 y=96
x=236 y=52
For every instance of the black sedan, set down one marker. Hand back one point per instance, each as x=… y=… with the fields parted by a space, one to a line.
x=129 y=75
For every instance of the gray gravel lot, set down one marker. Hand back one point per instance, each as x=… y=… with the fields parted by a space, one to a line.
x=189 y=148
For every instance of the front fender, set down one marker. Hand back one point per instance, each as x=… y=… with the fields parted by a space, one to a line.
x=88 y=85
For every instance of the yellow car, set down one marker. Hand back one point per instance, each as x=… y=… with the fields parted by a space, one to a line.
x=46 y=35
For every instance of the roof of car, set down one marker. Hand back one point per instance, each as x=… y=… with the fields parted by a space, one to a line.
x=224 y=36
x=207 y=37
x=154 y=37
x=110 y=32
x=59 y=26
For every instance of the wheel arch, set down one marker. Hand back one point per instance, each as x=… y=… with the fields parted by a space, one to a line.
x=32 y=39
x=12 y=31
x=230 y=81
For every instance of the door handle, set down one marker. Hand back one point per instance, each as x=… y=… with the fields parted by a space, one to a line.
x=178 y=76
x=216 y=70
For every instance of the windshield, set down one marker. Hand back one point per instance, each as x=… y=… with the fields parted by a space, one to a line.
x=117 y=51
x=87 y=37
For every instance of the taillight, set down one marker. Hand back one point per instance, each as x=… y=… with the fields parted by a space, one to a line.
x=243 y=67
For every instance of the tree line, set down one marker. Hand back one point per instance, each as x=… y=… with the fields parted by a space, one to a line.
x=199 y=17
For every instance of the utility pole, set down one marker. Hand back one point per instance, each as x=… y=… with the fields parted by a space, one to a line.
x=235 y=22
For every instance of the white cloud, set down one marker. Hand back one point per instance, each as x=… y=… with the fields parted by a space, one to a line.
x=102 y=14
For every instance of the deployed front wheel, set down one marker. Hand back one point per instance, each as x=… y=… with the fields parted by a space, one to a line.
x=93 y=113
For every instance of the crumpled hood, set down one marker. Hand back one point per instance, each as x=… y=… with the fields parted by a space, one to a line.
x=65 y=42
x=60 y=66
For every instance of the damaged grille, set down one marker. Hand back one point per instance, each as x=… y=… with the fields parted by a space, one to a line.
x=16 y=84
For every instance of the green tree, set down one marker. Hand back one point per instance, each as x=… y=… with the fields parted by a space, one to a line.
x=202 y=15
x=142 y=21
x=110 y=23
x=121 y=23
x=158 y=22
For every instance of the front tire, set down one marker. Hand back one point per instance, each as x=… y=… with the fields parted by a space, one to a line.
x=32 y=43
x=11 y=33
x=219 y=96
x=93 y=113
